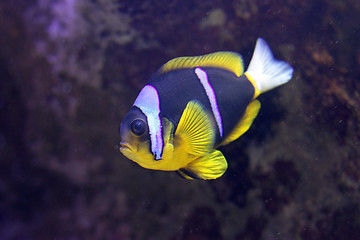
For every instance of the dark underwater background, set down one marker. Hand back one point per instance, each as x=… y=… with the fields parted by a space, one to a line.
x=70 y=70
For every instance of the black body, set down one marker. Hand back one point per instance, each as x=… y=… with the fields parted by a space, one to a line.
x=176 y=88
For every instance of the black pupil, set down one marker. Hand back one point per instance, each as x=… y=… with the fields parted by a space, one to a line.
x=138 y=127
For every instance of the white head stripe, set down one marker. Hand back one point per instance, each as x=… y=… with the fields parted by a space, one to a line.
x=201 y=74
x=149 y=103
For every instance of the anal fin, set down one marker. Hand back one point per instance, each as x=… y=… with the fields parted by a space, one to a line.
x=251 y=112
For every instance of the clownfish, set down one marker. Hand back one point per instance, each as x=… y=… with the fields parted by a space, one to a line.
x=193 y=105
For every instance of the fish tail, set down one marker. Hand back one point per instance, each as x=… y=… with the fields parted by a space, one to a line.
x=265 y=71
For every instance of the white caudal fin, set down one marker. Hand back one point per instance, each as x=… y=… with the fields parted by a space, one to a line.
x=265 y=70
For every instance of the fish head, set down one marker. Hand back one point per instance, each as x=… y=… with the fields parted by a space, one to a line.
x=135 y=142
x=135 y=137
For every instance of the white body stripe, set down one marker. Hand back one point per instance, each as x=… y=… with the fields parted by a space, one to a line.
x=201 y=74
x=149 y=103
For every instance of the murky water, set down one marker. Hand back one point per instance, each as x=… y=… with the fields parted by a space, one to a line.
x=71 y=70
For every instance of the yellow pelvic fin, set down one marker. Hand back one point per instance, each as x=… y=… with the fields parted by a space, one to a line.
x=186 y=174
x=230 y=61
x=195 y=131
x=208 y=167
x=250 y=113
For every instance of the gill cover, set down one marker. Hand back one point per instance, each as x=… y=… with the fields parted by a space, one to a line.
x=149 y=103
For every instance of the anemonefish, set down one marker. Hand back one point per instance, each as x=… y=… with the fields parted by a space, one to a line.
x=193 y=105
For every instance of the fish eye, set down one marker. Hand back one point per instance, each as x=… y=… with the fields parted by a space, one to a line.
x=138 y=127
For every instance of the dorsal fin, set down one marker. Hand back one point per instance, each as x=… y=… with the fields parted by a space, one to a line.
x=230 y=61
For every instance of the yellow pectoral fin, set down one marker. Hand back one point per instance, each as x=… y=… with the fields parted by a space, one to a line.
x=168 y=151
x=168 y=131
x=251 y=112
x=195 y=131
x=230 y=61
x=208 y=167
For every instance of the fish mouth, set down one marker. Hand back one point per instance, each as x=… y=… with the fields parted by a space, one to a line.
x=126 y=147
